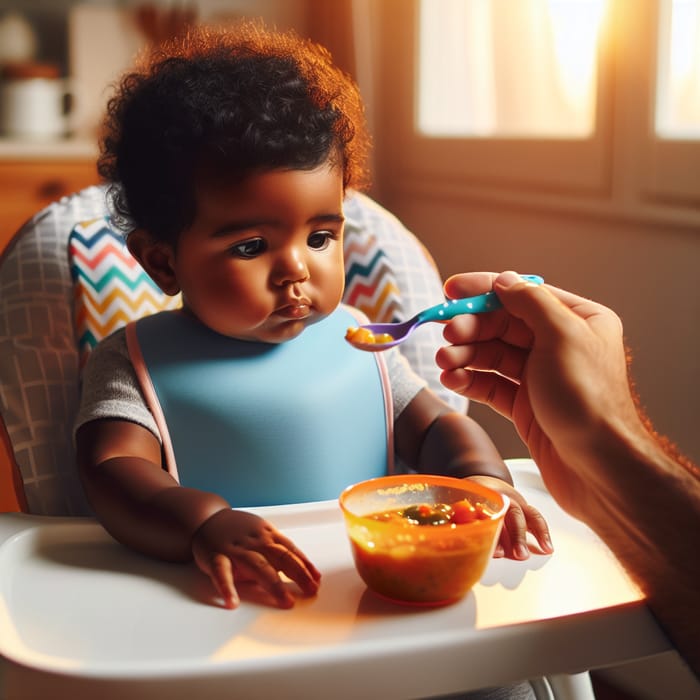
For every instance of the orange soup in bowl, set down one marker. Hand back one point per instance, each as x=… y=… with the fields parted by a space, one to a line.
x=422 y=539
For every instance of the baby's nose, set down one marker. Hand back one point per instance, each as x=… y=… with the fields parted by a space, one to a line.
x=292 y=268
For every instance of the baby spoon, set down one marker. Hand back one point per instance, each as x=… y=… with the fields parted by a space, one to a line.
x=382 y=336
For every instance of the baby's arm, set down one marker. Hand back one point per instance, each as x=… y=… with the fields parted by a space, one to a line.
x=432 y=438
x=144 y=508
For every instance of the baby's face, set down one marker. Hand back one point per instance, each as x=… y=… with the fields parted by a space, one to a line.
x=263 y=258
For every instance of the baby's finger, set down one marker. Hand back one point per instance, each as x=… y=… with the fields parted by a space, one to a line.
x=500 y=550
x=291 y=547
x=255 y=566
x=288 y=563
x=516 y=526
x=221 y=574
x=537 y=525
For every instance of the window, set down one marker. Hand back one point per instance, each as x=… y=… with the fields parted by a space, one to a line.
x=575 y=103
x=502 y=68
x=678 y=75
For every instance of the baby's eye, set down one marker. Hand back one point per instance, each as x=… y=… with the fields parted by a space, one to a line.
x=249 y=249
x=318 y=240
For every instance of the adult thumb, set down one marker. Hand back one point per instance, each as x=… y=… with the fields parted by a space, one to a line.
x=534 y=304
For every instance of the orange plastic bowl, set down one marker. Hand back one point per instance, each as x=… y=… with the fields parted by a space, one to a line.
x=420 y=564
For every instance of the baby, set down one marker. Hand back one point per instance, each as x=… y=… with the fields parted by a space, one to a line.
x=230 y=154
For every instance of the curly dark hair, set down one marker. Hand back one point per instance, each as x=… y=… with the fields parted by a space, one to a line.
x=227 y=103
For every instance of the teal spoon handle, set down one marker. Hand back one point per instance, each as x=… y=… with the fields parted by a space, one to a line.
x=469 y=305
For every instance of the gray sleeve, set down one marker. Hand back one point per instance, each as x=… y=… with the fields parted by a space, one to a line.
x=110 y=388
x=405 y=383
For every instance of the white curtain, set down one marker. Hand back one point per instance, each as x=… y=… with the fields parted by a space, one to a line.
x=678 y=83
x=508 y=68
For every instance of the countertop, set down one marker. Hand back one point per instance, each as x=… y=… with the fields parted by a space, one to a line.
x=74 y=147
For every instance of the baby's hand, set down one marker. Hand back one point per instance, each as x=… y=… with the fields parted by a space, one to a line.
x=234 y=546
x=519 y=519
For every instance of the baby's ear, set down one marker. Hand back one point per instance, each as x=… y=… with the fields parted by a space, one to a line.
x=156 y=257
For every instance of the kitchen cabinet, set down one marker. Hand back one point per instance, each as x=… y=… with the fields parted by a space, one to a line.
x=28 y=185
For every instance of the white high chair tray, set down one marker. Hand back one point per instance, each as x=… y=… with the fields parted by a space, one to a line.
x=78 y=609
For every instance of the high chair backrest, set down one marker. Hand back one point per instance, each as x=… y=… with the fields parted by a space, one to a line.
x=52 y=310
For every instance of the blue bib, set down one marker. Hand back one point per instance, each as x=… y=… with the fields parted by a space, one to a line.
x=263 y=424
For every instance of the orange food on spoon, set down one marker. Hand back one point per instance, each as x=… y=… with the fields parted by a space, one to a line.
x=364 y=335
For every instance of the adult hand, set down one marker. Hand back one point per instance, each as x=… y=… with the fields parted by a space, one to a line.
x=554 y=364
x=234 y=547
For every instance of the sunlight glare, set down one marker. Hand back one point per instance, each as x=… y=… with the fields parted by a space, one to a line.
x=496 y=68
x=678 y=87
x=576 y=26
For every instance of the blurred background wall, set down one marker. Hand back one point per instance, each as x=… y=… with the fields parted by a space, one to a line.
x=610 y=219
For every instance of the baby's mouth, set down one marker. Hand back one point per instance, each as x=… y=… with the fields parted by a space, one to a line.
x=296 y=310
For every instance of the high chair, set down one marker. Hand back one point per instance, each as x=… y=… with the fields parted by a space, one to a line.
x=66 y=256
x=52 y=313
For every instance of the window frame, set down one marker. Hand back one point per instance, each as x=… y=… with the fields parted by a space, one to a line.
x=671 y=172
x=622 y=168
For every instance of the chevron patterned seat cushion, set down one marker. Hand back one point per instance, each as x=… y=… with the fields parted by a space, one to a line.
x=370 y=283
x=110 y=287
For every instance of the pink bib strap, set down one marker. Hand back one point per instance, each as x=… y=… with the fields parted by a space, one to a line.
x=149 y=392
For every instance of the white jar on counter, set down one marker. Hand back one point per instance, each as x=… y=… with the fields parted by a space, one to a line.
x=34 y=101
